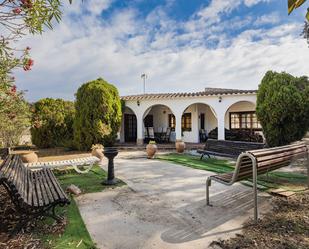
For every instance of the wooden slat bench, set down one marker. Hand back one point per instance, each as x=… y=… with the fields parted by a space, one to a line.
x=226 y=148
x=34 y=193
x=253 y=163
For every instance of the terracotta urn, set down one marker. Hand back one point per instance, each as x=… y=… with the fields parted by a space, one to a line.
x=29 y=157
x=98 y=153
x=151 y=150
x=180 y=146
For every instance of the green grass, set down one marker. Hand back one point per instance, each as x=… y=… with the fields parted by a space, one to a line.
x=75 y=231
x=88 y=183
x=284 y=180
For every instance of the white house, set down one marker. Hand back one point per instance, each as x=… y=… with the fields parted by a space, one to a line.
x=188 y=113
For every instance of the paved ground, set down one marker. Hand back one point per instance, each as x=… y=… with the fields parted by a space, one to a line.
x=163 y=207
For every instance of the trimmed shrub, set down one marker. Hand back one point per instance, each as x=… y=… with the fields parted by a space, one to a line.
x=52 y=123
x=98 y=114
x=283 y=107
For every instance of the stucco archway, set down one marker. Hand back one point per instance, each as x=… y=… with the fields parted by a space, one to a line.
x=160 y=117
x=203 y=119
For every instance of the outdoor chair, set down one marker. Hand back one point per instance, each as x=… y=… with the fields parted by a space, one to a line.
x=150 y=135
x=203 y=136
x=166 y=136
x=86 y=162
x=256 y=162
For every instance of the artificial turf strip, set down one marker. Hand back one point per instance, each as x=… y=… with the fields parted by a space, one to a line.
x=284 y=180
x=210 y=164
x=76 y=233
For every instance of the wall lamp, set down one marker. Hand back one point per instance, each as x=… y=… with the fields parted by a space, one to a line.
x=138 y=103
x=220 y=99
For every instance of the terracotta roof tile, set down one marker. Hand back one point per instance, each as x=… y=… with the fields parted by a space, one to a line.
x=208 y=92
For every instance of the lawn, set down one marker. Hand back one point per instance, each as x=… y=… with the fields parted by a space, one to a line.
x=284 y=180
x=75 y=233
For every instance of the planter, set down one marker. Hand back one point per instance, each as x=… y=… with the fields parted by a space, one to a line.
x=98 y=153
x=151 y=150
x=180 y=146
x=110 y=153
x=29 y=157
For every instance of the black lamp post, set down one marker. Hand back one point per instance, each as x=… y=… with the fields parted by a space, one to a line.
x=110 y=153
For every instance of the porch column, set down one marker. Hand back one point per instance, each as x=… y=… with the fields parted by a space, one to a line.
x=221 y=125
x=178 y=126
x=140 y=130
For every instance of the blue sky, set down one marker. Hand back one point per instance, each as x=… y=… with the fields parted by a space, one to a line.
x=182 y=45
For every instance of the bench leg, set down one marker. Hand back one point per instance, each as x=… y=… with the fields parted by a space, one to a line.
x=308 y=169
x=255 y=192
x=208 y=183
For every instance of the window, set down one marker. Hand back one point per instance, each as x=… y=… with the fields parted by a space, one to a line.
x=171 y=121
x=186 y=122
x=244 y=120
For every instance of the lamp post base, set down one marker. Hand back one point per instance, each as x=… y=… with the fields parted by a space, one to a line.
x=110 y=182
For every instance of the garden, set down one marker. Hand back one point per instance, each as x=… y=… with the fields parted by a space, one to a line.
x=163 y=193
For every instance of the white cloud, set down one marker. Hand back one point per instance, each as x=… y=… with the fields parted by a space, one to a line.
x=120 y=49
x=272 y=18
x=250 y=3
x=98 y=6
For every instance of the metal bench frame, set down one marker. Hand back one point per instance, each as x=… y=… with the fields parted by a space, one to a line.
x=28 y=212
x=249 y=154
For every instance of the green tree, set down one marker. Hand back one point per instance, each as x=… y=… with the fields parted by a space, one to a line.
x=17 y=19
x=98 y=114
x=283 y=107
x=14 y=121
x=52 y=123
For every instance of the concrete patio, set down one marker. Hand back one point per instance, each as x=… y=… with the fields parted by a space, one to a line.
x=163 y=206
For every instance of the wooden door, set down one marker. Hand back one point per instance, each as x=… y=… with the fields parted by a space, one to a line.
x=130 y=128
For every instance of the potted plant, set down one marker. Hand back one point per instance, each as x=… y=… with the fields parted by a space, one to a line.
x=180 y=146
x=97 y=151
x=151 y=149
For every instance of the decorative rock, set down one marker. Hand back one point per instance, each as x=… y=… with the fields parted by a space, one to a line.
x=73 y=189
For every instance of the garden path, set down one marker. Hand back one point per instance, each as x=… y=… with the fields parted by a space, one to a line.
x=163 y=207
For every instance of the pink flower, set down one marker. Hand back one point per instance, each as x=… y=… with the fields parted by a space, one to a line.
x=29 y=63
x=13 y=89
x=17 y=11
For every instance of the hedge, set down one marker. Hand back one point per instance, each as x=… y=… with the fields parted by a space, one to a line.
x=52 y=123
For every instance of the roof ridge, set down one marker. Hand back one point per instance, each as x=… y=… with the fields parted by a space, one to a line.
x=207 y=92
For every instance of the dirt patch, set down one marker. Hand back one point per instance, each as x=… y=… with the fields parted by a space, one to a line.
x=27 y=237
x=286 y=226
